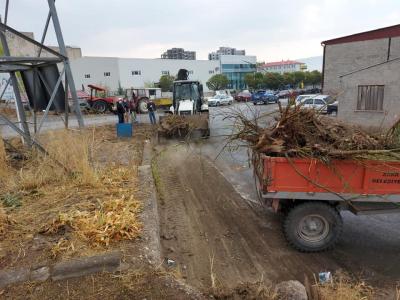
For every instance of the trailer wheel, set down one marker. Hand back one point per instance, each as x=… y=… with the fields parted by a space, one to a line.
x=100 y=106
x=313 y=227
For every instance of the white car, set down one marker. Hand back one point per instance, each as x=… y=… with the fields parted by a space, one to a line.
x=300 y=98
x=220 y=99
x=319 y=103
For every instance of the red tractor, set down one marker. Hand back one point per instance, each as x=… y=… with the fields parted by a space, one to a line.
x=99 y=103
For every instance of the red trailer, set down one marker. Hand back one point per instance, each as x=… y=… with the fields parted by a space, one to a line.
x=311 y=194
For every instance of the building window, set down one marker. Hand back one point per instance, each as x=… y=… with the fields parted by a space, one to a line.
x=87 y=75
x=164 y=72
x=211 y=72
x=136 y=72
x=107 y=74
x=370 y=97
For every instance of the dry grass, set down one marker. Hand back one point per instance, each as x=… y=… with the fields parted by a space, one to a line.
x=4 y=167
x=342 y=287
x=83 y=208
x=114 y=221
x=73 y=150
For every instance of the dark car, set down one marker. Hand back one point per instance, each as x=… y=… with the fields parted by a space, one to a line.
x=244 y=96
x=332 y=108
x=313 y=91
x=264 y=97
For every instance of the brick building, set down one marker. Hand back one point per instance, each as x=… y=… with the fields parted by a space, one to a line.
x=362 y=70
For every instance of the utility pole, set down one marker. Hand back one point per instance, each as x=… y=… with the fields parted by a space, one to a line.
x=18 y=101
x=68 y=72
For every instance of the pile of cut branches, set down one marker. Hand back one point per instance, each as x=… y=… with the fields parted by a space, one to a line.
x=175 y=125
x=299 y=132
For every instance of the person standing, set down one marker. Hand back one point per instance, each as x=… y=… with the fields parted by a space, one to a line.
x=151 y=107
x=127 y=110
x=120 y=111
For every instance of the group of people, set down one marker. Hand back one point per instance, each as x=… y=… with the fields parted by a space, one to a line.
x=126 y=111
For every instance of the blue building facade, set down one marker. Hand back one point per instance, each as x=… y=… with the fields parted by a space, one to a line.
x=235 y=67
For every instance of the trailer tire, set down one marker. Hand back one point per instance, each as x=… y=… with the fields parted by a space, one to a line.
x=313 y=227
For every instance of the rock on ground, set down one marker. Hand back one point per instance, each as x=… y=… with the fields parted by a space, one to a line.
x=291 y=290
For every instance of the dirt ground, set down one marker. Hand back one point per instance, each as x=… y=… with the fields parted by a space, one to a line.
x=212 y=234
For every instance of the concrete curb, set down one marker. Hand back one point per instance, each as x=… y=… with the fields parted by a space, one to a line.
x=151 y=229
x=66 y=269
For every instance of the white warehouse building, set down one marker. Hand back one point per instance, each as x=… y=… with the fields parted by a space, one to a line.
x=112 y=72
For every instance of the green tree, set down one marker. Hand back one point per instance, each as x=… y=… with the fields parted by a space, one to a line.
x=315 y=78
x=166 y=83
x=289 y=79
x=149 y=84
x=120 y=90
x=298 y=77
x=254 y=80
x=217 y=82
x=273 y=81
x=250 y=81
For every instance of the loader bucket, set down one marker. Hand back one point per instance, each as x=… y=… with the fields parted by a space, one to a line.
x=184 y=127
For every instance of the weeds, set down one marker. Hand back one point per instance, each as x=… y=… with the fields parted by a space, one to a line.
x=11 y=200
x=342 y=287
x=115 y=220
x=5 y=221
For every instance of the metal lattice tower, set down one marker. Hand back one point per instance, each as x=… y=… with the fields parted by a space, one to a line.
x=13 y=64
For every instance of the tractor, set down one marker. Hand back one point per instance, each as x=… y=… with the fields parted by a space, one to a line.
x=99 y=103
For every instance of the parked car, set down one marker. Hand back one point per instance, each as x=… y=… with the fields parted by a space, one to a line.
x=300 y=98
x=264 y=97
x=284 y=94
x=243 y=96
x=220 y=99
x=313 y=91
x=332 y=108
x=319 y=103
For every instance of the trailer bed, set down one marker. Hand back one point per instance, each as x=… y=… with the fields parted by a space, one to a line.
x=340 y=180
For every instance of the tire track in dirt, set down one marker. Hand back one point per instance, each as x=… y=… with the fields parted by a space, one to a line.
x=204 y=219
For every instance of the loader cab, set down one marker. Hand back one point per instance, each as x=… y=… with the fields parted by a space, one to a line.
x=185 y=92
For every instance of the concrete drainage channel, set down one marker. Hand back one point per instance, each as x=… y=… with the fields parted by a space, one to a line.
x=106 y=262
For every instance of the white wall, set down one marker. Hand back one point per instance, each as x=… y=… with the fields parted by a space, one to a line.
x=150 y=70
x=95 y=67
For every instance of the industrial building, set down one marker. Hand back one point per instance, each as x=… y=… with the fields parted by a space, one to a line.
x=362 y=70
x=225 y=51
x=178 y=53
x=112 y=72
x=284 y=66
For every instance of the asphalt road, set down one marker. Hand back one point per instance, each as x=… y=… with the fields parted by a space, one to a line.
x=56 y=122
x=369 y=245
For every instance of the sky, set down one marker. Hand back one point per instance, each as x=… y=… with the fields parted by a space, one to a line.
x=271 y=30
